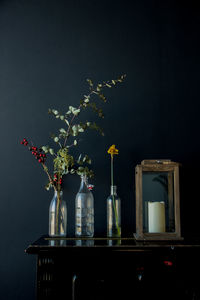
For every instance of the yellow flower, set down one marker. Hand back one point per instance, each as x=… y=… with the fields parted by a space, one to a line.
x=112 y=150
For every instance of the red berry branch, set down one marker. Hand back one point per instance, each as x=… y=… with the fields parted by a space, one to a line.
x=24 y=142
x=41 y=158
x=56 y=180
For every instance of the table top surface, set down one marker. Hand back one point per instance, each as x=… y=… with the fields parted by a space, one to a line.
x=46 y=243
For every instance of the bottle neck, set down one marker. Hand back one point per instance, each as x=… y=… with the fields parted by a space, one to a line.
x=58 y=194
x=113 y=190
x=84 y=184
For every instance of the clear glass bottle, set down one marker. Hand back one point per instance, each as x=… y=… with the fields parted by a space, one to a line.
x=113 y=213
x=84 y=210
x=57 y=216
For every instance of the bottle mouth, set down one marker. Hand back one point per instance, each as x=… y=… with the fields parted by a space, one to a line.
x=113 y=189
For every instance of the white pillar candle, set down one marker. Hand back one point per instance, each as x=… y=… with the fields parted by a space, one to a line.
x=156 y=216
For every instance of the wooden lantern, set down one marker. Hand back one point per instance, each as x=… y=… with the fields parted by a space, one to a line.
x=157 y=200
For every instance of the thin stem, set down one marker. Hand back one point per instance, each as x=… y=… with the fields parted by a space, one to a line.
x=49 y=176
x=113 y=198
x=112 y=169
x=57 y=212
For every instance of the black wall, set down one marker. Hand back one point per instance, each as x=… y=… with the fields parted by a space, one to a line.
x=47 y=51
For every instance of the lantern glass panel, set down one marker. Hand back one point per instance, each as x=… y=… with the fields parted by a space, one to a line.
x=158 y=201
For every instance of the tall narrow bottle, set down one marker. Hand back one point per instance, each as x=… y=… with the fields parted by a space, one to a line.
x=57 y=216
x=84 y=210
x=113 y=213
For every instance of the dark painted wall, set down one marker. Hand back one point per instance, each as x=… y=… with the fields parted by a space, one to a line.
x=47 y=51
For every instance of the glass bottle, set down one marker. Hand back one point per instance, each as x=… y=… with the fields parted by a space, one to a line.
x=57 y=216
x=84 y=210
x=113 y=213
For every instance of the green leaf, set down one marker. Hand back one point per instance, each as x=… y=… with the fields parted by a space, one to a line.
x=84 y=158
x=75 y=130
x=72 y=108
x=48 y=186
x=62 y=130
x=51 y=151
x=80 y=170
x=45 y=149
x=76 y=112
x=56 y=139
x=80 y=129
x=75 y=142
x=108 y=85
x=90 y=82
x=86 y=100
x=54 y=111
x=66 y=121
x=62 y=117
x=98 y=89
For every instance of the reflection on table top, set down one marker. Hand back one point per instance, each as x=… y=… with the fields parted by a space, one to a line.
x=46 y=243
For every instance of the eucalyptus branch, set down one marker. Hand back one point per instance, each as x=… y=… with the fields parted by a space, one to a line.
x=72 y=119
x=96 y=91
x=69 y=127
x=63 y=161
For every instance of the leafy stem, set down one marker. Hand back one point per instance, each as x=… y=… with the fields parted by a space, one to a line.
x=69 y=127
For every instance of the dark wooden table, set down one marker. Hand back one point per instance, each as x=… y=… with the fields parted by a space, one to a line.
x=102 y=268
